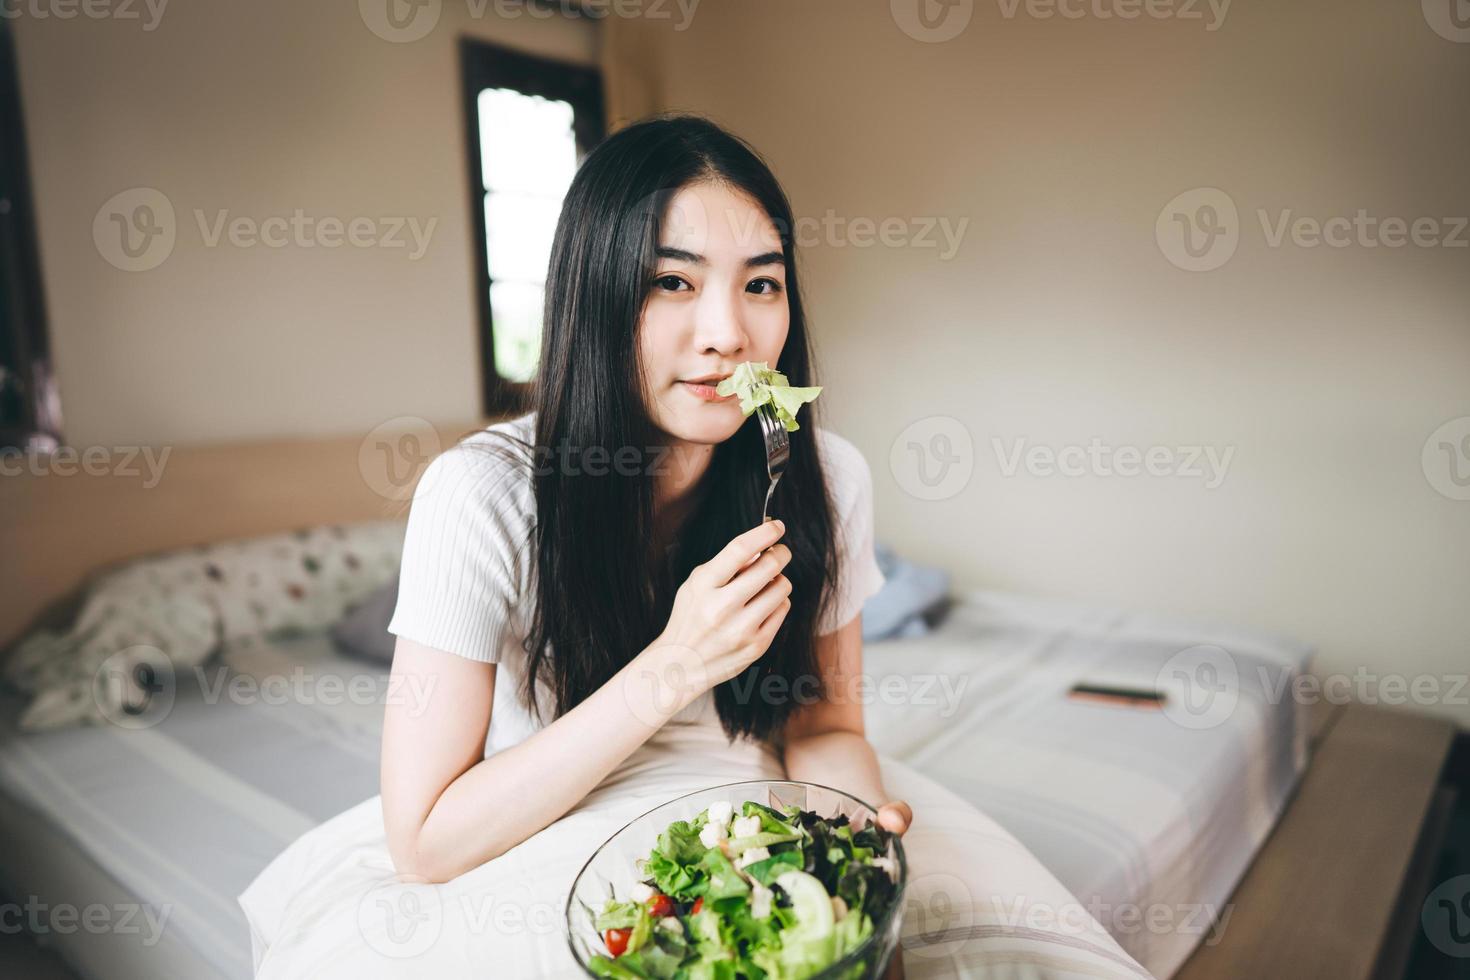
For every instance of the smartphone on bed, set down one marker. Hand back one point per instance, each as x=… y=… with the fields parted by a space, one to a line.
x=1117 y=695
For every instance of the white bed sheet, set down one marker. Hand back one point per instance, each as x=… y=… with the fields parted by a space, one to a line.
x=1127 y=808
x=1148 y=821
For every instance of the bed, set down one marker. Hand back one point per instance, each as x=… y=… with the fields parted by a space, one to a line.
x=179 y=817
x=1129 y=807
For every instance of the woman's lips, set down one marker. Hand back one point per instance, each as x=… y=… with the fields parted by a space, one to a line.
x=704 y=392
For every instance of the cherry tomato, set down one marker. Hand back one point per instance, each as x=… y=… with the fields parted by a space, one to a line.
x=698 y=904
x=660 y=906
x=617 y=940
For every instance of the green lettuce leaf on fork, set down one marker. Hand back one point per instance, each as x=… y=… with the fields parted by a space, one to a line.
x=758 y=385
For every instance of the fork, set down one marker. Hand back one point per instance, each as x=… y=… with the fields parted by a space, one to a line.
x=778 y=450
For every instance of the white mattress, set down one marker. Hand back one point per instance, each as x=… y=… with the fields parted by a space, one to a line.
x=1125 y=806
x=1138 y=812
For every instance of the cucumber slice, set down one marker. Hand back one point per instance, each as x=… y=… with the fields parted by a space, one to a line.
x=810 y=904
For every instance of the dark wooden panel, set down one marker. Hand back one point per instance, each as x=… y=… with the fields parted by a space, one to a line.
x=1320 y=898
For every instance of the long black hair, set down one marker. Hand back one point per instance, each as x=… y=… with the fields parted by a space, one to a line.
x=602 y=594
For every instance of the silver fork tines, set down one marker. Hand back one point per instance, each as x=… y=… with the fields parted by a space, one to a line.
x=778 y=450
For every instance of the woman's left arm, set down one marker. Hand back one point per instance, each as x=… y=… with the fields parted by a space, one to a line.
x=825 y=740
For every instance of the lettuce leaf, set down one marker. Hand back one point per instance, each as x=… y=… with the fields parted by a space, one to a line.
x=758 y=385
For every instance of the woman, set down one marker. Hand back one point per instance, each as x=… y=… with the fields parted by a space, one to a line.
x=595 y=623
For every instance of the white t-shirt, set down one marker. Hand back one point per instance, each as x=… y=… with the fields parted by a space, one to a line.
x=467 y=583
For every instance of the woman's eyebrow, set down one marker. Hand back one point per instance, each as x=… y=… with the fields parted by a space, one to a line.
x=765 y=258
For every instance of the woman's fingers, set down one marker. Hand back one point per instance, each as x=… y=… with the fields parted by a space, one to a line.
x=773 y=622
x=758 y=574
x=741 y=551
x=895 y=816
x=764 y=602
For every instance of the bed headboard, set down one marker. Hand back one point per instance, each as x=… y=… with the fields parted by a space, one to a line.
x=62 y=519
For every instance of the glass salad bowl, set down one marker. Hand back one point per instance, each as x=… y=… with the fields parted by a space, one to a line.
x=614 y=871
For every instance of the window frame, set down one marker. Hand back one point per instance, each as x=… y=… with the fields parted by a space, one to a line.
x=483 y=65
x=24 y=330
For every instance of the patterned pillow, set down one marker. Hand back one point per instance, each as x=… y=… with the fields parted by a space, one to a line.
x=173 y=611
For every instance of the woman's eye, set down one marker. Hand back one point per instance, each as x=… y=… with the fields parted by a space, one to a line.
x=772 y=286
x=670 y=284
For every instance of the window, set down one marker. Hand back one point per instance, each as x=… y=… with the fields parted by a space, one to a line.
x=30 y=414
x=530 y=122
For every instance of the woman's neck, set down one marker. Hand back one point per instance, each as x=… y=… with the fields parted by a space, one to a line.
x=679 y=485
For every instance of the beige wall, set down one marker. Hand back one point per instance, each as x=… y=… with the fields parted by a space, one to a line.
x=260 y=109
x=1059 y=319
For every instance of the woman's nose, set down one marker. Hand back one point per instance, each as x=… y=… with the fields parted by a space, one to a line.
x=718 y=325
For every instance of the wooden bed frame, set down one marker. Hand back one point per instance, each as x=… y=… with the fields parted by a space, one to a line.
x=1334 y=894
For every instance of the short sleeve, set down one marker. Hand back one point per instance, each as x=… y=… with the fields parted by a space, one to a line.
x=850 y=482
x=463 y=553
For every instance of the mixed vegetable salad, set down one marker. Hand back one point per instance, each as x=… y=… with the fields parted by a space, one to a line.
x=758 y=895
x=758 y=385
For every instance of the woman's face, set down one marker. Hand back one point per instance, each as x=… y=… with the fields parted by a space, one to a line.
x=718 y=298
